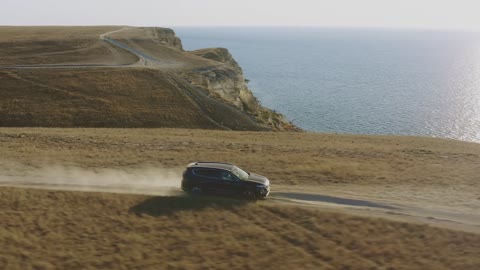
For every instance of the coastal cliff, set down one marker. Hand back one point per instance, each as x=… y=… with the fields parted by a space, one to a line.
x=227 y=82
x=164 y=36
x=155 y=82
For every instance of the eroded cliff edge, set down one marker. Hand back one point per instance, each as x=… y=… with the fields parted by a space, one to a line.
x=218 y=74
x=227 y=82
x=121 y=76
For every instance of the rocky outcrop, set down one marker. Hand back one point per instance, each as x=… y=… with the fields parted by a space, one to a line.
x=164 y=36
x=214 y=70
x=157 y=84
x=227 y=82
x=221 y=55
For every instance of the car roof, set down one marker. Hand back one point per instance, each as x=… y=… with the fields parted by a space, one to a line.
x=209 y=164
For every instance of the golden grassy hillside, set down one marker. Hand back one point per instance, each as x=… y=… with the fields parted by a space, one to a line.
x=59 y=45
x=115 y=77
x=34 y=45
x=40 y=33
x=431 y=174
x=73 y=230
x=148 y=41
x=286 y=158
x=76 y=230
x=115 y=97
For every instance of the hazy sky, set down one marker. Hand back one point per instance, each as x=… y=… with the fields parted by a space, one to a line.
x=463 y=14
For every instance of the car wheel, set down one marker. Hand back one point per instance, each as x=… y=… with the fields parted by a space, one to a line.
x=196 y=190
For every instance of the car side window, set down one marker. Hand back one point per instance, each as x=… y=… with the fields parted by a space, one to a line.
x=202 y=172
x=207 y=173
x=228 y=176
x=216 y=174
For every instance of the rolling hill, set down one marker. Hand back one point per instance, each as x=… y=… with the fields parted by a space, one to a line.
x=121 y=77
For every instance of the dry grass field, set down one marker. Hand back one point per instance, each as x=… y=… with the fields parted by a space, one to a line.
x=288 y=158
x=110 y=77
x=144 y=40
x=75 y=230
x=42 y=45
x=433 y=174
x=43 y=229
x=59 y=45
x=116 y=97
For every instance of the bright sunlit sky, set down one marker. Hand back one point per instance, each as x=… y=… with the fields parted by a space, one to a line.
x=443 y=14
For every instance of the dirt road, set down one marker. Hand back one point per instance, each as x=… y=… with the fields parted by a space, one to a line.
x=144 y=60
x=337 y=202
x=410 y=179
x=166 y=182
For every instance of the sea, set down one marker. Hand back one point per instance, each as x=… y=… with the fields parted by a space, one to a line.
x=359 y=80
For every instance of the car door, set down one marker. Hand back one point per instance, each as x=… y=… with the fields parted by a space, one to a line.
x=216 y=181
x=230 y=184
x=209 y=179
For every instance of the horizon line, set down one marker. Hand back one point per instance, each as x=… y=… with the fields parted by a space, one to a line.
x=419 y=28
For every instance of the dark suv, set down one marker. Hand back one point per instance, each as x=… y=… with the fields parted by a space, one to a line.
x=224 y=178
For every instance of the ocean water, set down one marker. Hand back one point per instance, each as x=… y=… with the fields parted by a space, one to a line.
x=362 y=81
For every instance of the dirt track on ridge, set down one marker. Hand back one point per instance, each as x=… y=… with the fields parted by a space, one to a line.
x=337 y=202
x=362 y=204
x=351 y=199
x=144 y=60
x=404 y=178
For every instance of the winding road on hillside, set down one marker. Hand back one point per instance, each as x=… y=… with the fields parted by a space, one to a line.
x=144 y=60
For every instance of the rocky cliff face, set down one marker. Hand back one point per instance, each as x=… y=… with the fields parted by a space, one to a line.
x=220 y=77
x=227 y=82
x=164 y=36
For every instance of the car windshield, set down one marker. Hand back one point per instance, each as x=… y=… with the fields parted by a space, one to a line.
x=241 y=174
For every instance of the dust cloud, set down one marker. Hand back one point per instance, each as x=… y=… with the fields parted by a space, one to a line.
x=157 y=181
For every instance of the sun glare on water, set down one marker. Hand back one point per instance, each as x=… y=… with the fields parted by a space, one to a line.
x=470 y=89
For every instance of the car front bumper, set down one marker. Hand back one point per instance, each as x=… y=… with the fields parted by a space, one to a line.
x=263 y=192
